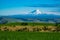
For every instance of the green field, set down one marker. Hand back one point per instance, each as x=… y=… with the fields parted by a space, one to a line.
x=24 y=35
x=29 y=23
x=5 y=35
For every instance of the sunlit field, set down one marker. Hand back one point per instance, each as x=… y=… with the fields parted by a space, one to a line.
x=30 y=31
x=29 y=35
x=38 y=27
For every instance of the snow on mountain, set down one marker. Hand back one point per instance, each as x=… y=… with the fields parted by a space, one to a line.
x=33 y=16
x=36 y=12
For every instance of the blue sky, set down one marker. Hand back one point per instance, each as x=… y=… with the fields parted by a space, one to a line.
x=12 y=7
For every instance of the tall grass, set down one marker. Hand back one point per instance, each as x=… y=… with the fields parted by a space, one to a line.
x=5 y=35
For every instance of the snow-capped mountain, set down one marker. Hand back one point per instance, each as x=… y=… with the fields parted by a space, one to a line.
x=33 y=16
x=36 y=12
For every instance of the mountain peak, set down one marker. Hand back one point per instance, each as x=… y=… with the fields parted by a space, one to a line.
x=36 y=11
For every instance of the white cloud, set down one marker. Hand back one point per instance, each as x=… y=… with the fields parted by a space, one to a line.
x=54 y=13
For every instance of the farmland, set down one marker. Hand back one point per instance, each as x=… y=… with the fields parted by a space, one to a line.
x=29 y=35
x=38 y=27
x=30 y=31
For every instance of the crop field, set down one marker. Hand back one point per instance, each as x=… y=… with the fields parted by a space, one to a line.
x=29 y=31
x=28 y=26
x=5 y=35
x=28 y=23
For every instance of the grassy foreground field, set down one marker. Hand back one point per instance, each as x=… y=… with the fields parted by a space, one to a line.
x=30 y=31
x=6 y=35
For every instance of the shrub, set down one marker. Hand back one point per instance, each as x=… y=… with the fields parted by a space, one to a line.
x=45 y=28
x=57 y=29
x=36 y=29
x=24 y=24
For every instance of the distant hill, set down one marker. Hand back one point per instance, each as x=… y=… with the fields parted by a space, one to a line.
x=34 y=16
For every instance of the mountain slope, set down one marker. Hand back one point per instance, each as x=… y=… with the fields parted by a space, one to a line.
x=34 y=16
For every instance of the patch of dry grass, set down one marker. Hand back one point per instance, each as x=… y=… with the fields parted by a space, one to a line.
x=29 y=28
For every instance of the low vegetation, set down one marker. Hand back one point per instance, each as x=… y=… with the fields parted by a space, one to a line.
x=31 y=27
x=6 y=35
x=30 y=31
